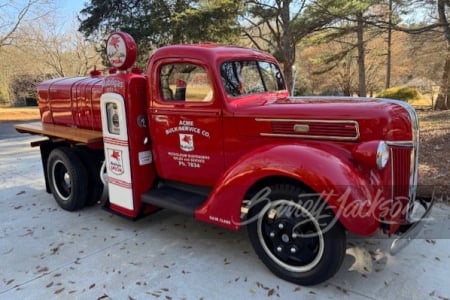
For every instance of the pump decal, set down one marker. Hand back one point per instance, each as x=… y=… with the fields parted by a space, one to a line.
x=115 y=142
x=186 y=142
x=119 y=183
x=115 y=161
x=145 y=158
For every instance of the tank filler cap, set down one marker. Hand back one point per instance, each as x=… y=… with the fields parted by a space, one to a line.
x=121 y=50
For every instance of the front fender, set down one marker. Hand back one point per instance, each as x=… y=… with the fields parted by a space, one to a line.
x=328 y=173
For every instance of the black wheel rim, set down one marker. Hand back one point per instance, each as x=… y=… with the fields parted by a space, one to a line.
x=290 y=236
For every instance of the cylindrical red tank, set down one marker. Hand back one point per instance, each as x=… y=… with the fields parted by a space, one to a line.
x=73 y=102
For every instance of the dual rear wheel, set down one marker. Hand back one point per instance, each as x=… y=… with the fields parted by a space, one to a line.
x=73 y=177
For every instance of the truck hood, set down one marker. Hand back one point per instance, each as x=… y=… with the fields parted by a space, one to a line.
x=335 y=118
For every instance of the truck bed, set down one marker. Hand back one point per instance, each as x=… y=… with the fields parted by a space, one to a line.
x=57 y=131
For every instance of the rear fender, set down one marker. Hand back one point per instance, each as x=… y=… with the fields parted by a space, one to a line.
x=339 y=183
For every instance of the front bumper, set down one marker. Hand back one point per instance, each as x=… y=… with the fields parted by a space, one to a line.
x=408 y=232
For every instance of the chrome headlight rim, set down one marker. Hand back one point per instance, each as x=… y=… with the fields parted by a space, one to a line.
x=382 y=155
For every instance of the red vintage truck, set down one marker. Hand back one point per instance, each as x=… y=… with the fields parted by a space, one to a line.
x=211 y=131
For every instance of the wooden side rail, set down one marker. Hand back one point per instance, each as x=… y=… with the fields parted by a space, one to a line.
x=57 y=131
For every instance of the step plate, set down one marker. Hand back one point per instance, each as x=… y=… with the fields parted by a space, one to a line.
x=181 y=201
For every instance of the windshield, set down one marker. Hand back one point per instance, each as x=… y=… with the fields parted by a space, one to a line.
x=250 y=77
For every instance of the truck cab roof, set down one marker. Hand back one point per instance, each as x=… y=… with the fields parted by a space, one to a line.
x=210 y=52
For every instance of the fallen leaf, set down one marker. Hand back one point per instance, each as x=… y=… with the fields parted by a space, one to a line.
x=42 y=269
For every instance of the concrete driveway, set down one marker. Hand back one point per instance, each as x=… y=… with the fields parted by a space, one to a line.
x=50 y=253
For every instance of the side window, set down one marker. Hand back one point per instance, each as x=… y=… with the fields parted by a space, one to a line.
x=271 y=76
x=250 y=77
x=185 y=82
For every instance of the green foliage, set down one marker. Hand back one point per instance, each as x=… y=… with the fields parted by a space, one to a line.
x=212 y=21
x=401 y=93
x=155 y=23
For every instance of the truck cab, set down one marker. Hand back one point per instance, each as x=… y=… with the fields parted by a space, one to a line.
x=211 y=131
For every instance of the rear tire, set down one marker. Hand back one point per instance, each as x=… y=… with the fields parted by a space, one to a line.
x=297 y=238
x=92 y=162
x=68 y=178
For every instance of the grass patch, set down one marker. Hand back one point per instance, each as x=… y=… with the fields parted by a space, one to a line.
x=403 y=93
x=12 y=114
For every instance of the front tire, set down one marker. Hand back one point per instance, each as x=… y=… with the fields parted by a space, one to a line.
x=296 y=235
x=68 y=178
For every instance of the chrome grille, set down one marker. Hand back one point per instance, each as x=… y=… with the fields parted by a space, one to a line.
x=399 y=147
x=401 y=174
x=414 y=158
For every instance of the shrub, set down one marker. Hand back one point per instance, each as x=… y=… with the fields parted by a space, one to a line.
x=401 y=93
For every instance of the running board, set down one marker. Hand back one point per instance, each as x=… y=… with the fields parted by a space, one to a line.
x=173 y=198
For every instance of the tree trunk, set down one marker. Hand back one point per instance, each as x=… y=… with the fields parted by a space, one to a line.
x=442 y=101
x=362 y=92
x=389 y=48
x=288 y=46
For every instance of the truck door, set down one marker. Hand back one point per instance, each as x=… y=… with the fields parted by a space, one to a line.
x=186 y=123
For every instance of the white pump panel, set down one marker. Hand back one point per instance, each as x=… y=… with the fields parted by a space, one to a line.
x=117 y=153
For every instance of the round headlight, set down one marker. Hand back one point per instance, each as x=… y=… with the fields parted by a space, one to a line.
x=382 y=155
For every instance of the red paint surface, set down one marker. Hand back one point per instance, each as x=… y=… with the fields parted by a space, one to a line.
x=229 y=152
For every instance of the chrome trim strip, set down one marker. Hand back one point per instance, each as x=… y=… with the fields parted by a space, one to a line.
x=312 y=137
x=333 y=138
x=306 y=120
x=391 y=153
x=406 y=144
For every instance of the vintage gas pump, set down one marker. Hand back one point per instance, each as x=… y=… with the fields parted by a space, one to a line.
x=128 y=155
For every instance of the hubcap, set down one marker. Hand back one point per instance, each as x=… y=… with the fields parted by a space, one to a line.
x=61 y=180
x=292 y=238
